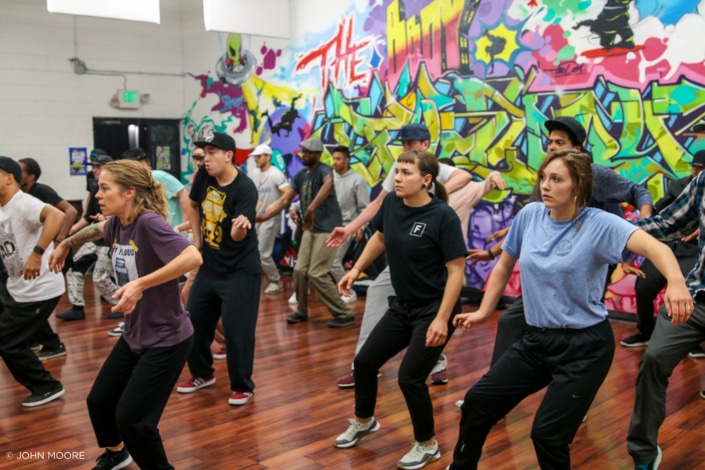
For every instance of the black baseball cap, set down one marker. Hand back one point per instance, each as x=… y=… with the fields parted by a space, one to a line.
x=99 y=159
x=134 y=154
x=12 y=167
x=217 y=139
x=569 y=125
x=699 y=158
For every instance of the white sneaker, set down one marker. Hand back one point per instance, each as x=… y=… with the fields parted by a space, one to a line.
x=419 y=456
x=274 y=288
x=355 y=431
x=349 y=298
x=117 y=331
x=441 y=364
x=292 y=299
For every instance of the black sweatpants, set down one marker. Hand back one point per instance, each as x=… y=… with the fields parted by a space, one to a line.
x=128 y=398
x=19 y=322
x=572 y=363
x=403 y=326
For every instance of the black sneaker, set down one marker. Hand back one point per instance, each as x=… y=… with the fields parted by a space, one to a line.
x=113 y=460
x=342 y=321
x=635 y=341
x=115 y=315
x=45 y=354
x=296 y=317
x=46 y=397
x=697 y=353
x=72 y=314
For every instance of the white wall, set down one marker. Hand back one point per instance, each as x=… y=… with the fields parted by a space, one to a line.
x=45 y=108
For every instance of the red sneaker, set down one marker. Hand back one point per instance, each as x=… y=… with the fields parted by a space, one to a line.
x=220 y=354
x=240 y=398
x=195 y=383
x=347 y=381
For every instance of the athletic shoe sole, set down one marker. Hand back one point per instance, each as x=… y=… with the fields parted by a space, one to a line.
x=45 y=400
x=346 y=445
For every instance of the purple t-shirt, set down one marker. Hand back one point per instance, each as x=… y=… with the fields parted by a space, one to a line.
x=140 y=248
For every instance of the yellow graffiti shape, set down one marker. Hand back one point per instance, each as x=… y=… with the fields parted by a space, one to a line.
x=485 y=45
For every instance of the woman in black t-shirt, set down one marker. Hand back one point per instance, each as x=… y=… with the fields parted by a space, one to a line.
x=424 y=244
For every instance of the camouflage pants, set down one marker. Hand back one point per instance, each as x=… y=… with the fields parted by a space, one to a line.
x=101 y=274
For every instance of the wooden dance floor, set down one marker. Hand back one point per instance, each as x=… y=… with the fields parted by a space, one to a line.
x=298 y=410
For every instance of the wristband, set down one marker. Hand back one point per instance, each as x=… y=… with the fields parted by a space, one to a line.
x=38 y=250
x=489 y=252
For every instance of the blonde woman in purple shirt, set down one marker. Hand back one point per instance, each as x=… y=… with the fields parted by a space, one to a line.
x=131 y=390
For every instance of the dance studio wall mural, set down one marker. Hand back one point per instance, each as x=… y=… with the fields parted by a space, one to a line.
x=484 y=76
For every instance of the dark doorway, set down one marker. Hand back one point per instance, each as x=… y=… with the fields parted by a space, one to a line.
x=160 y=138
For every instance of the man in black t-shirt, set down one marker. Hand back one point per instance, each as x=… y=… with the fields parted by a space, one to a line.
x=227 y=285
x=321 y=214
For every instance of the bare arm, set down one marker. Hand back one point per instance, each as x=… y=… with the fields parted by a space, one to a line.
x=646 y=211
x=457 y=180
x=437 y=333
x=495 y=286
x=194 y=219
x=70 y=214
x=184 y=201
x=340 y=234
x=52 y=219
x=88 y=234
x=277 y=206
x=373 y=248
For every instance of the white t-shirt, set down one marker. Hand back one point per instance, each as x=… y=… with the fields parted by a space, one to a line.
x=443 y=176
x=20 y=229
x=270 y=185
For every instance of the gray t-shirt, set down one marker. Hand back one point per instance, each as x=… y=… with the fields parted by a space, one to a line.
x=270 y=185
x=307 y=185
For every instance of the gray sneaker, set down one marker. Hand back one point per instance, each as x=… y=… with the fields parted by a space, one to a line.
x=274 y=288
x=419 y=456
x=355 y=431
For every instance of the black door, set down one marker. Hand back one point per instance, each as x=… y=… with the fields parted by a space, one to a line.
x=158 y=137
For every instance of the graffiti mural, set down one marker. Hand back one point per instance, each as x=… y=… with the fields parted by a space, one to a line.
x=484 y=76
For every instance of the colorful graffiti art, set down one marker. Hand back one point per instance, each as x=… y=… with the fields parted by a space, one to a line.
x=484 y=76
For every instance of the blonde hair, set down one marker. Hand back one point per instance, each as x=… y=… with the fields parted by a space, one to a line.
x=150 y=196
x=427 y=164
x=579 y=165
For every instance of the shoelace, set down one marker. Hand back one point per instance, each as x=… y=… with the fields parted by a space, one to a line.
x=419 y=450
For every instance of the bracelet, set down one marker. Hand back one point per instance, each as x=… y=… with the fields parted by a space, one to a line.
x=489 y=252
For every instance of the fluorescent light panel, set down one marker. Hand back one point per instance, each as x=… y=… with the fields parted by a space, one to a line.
x=135 y=10
x=259 y=18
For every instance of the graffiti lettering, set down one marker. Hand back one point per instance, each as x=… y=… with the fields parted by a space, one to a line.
x=339 y=56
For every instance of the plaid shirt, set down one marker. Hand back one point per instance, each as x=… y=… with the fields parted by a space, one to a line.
x=681 y=218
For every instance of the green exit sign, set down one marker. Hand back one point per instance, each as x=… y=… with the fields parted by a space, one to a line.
x=130 y=96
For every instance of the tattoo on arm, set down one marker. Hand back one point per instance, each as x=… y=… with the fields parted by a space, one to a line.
x=88 y=234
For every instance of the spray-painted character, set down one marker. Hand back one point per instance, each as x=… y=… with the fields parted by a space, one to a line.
x=612 y=21
x=287 y=121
